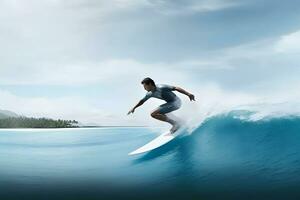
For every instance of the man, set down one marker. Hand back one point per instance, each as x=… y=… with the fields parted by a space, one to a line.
x=164 y=92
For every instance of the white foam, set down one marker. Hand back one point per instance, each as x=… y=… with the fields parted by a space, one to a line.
x=212 y=101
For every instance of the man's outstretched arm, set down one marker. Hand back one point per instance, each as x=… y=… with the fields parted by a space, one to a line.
x=179 y=89
x=137 y=105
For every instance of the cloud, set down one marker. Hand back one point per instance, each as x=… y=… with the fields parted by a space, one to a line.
x=62 y=107
x=64 y=31
x=265 y=66
x=161 y=6
x=255 y=67
x=84 y=73
x=289 y=43
x=169 y=7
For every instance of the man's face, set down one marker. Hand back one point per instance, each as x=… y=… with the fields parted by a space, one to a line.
x=148 y=87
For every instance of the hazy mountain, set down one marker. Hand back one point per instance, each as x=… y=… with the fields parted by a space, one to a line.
x=7 y=113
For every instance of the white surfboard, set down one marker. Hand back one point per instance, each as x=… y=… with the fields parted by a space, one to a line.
x=157 y=142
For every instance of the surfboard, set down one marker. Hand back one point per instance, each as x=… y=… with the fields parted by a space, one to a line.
x=157 y=142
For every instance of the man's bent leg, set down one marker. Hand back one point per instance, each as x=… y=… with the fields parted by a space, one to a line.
x=157 y=115
x=162 y=110
x=163 y=117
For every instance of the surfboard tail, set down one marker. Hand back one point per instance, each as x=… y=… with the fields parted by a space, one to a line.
x=158 y=141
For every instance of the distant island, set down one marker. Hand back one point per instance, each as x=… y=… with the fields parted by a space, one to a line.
x=10 y=119
x=26 y=122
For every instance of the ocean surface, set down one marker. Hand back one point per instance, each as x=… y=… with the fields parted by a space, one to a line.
x=226 y=157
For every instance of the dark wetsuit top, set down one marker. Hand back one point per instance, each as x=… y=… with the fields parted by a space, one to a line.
x=162 y=91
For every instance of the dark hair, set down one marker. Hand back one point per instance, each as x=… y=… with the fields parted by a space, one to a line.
x=147 y=81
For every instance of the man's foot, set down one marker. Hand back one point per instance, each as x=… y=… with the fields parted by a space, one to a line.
x=174 y=128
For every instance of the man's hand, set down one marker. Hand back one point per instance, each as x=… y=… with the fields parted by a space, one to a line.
x=191 y=96
x=137 y=105
x=130 y=111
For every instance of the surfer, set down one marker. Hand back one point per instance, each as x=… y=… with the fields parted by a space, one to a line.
x=164 y=92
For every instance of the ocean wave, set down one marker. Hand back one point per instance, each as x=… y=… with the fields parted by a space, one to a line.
x=245 y=119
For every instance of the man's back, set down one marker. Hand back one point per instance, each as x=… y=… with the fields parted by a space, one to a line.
x=162 y=91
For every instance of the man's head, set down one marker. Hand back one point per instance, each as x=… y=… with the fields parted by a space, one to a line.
x=148 y=83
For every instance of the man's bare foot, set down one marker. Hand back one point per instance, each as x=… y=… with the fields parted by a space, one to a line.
x=174 y=128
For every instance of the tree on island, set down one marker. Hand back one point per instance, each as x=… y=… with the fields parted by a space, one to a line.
x=26 y=122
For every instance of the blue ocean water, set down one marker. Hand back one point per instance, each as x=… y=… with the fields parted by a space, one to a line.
x=226 y=157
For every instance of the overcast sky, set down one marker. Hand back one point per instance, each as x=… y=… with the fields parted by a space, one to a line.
x=84 y=59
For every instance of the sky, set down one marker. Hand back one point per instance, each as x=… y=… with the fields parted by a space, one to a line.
x=85 y=59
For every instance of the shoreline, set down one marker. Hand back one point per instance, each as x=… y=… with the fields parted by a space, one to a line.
x=83 y=127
